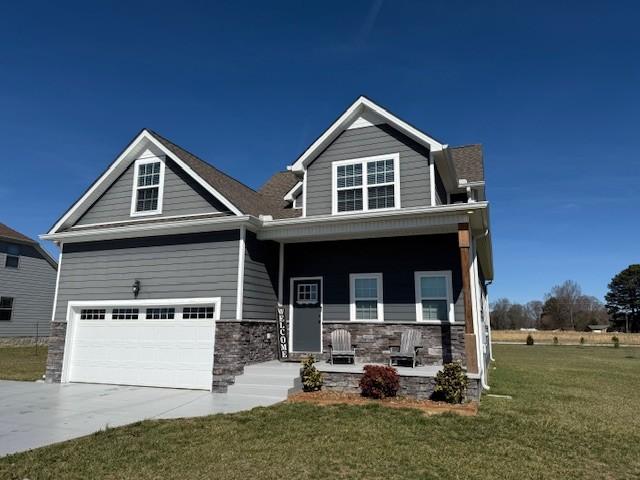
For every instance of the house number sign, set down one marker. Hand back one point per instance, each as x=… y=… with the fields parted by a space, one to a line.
x=283 y=348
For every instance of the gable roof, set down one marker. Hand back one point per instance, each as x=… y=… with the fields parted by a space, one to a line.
x=351 y=114
x=269 y=200
x=238 y=197
x=8 y=233
x=468 y=162
x=11 y=234
x=243 y=197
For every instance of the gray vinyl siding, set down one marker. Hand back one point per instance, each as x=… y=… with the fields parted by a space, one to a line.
x=396 y=258
x=178 y=266
x=365 y=142
x=182 y=196
x=32 y=286
x=260 y=293
x=441 y=191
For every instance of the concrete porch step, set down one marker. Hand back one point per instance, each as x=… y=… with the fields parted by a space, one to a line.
x=275 y=380
x=269 y=379
x=280 y=391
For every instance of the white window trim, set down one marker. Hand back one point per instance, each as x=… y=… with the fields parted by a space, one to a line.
x=449 y=284
x=352 y=295
x=310 y=301
x=134 y=191
x=365 y=187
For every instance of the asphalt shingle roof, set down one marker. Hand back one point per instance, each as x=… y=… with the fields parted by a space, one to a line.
x=10 y=233
x=468 y=162
x=268 y=201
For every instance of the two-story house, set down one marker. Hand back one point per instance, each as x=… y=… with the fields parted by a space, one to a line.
x=27 y=285
x=171 y=271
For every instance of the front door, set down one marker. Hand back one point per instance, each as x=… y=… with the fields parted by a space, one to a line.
x=306 y=297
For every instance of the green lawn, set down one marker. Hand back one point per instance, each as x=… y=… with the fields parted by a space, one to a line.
x=22 y=363
x=574 y=414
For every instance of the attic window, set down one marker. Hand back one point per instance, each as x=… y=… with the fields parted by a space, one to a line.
x=363 y=184
x=147 y=187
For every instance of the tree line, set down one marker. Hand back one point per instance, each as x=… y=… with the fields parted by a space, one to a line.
x=566 y=307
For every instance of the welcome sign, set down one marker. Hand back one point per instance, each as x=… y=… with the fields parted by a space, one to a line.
x=283 y=344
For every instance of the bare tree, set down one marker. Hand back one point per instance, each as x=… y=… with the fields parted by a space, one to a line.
x=534 y=312
x=567 y=297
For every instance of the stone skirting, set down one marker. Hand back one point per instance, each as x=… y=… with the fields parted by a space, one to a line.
x=24 y=341
x=240 y=343
x=57 y=338
x=441 y=343
x=410 y=386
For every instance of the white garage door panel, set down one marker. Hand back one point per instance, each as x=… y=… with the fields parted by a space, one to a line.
x=158 y=353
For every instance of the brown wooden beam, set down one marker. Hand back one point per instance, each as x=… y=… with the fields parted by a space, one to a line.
x=464 y=243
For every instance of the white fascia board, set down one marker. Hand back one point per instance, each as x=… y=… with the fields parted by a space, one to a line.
x=118 y=166
x=351 y=114
x=414 y=221
x=98 y=186
x=404 y=212
x=293 y=192
x=155 y=229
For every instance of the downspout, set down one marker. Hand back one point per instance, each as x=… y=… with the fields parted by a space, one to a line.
x=483 y=371
x=486 y=307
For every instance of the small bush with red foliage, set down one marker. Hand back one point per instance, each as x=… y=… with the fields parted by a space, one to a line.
x=379 y=381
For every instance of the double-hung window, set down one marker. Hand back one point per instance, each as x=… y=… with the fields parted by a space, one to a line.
x=365 y=184
x=147 y=187
x=13 y=257
x=434 y=299
x=366 y=297
x=6 y=308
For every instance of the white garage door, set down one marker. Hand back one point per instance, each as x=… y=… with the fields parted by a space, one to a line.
x=160 y=344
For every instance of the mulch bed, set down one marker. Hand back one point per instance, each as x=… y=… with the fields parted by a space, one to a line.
x=428 y=407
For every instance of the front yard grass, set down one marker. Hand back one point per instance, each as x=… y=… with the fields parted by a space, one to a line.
x=574 y=415
x=22 y=363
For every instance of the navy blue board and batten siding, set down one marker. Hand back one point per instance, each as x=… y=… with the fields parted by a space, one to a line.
x=182 y=196
x=397 y=258
x=176 y=266
x=367 y=142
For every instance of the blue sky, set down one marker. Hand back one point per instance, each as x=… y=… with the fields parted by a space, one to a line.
x=550 y=90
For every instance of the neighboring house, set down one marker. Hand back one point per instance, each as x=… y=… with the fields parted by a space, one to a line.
x=171 y=270
x=598 y=328
x=27 y=285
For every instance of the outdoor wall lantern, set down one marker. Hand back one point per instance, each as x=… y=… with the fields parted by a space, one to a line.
x=136 y=288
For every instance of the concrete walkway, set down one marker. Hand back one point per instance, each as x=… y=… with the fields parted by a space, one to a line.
x=36 y=414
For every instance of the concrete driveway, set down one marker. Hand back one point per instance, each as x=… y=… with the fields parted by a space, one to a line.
x=36 y=414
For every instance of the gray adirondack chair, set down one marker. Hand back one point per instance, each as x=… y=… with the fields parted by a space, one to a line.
x=410 y=343
x=341 y=346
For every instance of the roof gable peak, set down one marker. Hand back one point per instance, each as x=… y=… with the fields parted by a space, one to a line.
x=366 y=109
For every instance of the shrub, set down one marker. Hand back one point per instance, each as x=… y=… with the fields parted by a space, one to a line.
x=451 y=384
x=311 y=378
x=581 y=340
x=379 y=381
x=616 y=341
x=529 y=340
x=555 y=340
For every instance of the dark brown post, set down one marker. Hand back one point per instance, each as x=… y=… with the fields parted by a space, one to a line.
x=464 y=242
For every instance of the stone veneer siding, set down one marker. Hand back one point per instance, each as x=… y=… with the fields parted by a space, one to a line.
x=240 y=343
x=237 y=343
x=441 y=343
x=57 y=337
x=414 y=387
